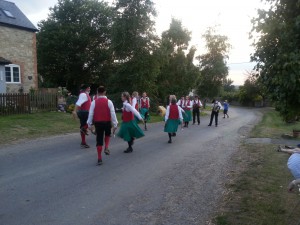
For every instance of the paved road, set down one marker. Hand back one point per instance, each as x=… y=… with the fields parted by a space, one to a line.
x=53 y=181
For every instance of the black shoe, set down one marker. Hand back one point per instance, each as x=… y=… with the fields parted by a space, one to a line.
x=84 y=131
x=209 y=125
x=216 y=125
x=106 y=151
x=170 y=141
x=84 y=145
x=99 y=162
x=174 y=134
x=198 y=123
x=128 y=150
x=146 y=129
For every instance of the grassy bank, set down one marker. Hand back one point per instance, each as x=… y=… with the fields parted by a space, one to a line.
x=257 y=184
x=30 y=126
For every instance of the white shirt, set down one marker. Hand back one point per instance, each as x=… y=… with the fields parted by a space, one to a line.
x=186 y=105
x=112 y=112
x=134 y=101
x=168 y=113
x=219 y=104
x=82 y=99
x=197 y=102
x=128 y=108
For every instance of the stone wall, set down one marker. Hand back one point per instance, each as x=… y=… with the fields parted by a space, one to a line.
x=19 y=47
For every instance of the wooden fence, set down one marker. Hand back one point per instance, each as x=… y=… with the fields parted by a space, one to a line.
x=27 y=103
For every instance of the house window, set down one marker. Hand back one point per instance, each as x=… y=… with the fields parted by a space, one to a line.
x=12 y=73
x=8 y=13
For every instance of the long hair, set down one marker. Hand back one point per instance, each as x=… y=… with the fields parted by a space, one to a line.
x=126 y=95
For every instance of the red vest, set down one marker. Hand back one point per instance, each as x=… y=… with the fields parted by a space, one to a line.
x=145 y=103
x=101 y=111
x=186 y=103
x=127 y=116
x=174 y=113
x=86 y=105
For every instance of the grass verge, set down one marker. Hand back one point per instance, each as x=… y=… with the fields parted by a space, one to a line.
x=30 y=126
x=257 y=183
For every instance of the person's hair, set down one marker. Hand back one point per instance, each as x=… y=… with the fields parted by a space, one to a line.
x=173 y=100
x=84 y=86
x=101 y=89
x=135 y=93
x=126 y=95
x=213 y=101
x=196 y=96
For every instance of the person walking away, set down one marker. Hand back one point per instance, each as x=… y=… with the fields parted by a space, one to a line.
x=145 y=106
x=216 y=106
x=81 y=109
x=135 y=102
x=173 y=118
x=129 y=129
x=226 y=107
x=102 y=115
x=197 y=104
x=187 y=109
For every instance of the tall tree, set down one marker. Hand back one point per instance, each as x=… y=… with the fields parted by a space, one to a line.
x=178 y=73
x=277 y=53
x=213 y=64
x=74 y=43
x=133 y=42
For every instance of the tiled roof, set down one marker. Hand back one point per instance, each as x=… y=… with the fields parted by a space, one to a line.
x=4 y=61
x=18 y=19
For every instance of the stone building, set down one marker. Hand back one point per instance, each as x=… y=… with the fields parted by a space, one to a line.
x=18 y=62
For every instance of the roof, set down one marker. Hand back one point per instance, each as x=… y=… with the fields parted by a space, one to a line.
x=4 y=61
x=12 y=16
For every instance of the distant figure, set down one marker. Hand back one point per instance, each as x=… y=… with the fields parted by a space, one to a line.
x=216 y=106
x=226 y=107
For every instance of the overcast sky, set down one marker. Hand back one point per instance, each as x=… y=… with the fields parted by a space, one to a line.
x=233 y=16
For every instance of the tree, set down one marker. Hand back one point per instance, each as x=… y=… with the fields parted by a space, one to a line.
x=178 y=73
x=73 y=44
x=227 y=85
x=213 y=64
x=133 y=44
x=277 y=53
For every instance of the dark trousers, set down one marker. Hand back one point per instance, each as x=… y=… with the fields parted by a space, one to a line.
x=101 y=129
x=83 y=117
x=196 y=113
x=214 y=114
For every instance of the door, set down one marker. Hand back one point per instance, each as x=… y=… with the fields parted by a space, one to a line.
x=2 y=79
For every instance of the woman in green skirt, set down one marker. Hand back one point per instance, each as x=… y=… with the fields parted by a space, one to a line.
x=129 y=129
x=187 y=106
x=173 y=118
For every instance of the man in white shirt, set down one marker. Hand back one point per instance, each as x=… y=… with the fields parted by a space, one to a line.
x=102 y=114
x=216 y=106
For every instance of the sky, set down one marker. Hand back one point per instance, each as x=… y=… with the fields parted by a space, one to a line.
x=233 y=18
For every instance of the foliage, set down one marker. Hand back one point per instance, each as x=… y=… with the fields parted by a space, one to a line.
x=178 y=74
x=74 y=43
x=277 y=53
x=212 y=65
x=227 y=85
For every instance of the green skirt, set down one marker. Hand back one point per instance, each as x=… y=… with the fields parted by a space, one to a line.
x=187 y=116
x=130 y=130
x=143 y=112
x=171 y=126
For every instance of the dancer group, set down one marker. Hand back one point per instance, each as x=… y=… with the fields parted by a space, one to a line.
x=100 y=113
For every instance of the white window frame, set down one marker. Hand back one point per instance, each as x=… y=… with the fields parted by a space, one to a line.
x=12 y=66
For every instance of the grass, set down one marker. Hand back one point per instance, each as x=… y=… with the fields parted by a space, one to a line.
x=257 y=184
x=272 y=126
x=30 y=126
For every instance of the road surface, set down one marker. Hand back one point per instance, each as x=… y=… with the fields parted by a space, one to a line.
x=53 y=181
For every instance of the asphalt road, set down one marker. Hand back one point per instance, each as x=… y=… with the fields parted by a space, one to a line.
x=53 y=181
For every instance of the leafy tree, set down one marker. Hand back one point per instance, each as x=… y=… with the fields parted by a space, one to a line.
x=277 y=53
x=133 y=44
x=178 y=73
x=73 y=44
x=213 y=64
x=227 y=85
